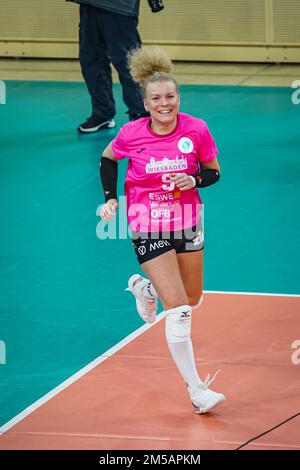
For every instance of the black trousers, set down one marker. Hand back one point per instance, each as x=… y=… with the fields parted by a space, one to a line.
x=106 y=37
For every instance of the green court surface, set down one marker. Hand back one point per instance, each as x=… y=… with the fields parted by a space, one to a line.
x=62 y=289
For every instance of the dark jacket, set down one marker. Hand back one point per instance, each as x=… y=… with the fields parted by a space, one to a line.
x=123 y=7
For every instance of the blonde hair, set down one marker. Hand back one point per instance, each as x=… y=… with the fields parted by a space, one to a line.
x=150 y=65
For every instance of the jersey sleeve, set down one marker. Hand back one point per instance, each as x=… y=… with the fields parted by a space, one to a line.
x=119 y=145
x=207 y=149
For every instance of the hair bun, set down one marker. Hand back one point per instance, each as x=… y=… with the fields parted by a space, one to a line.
x=144 y=62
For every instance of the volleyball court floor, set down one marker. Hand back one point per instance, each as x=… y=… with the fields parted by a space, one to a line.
x=79 y=369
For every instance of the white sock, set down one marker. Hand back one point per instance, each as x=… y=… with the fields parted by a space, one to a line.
x=183 y=356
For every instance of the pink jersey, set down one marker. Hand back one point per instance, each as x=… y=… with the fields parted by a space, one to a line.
x=154 y=203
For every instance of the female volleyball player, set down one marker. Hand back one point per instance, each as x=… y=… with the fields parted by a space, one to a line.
x=170 y=155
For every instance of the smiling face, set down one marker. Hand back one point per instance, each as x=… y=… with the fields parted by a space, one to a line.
x=162 y=101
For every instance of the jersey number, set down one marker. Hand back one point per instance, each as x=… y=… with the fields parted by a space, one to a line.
x=167 y=179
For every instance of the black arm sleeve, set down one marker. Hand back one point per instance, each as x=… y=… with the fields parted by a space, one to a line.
x=109 y=176
x=206 y=177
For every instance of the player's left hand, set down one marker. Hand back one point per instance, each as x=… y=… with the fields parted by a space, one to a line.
x=183 y=181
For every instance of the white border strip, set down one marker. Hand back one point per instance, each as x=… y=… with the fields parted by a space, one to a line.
x=250 y=293
x=110 y=352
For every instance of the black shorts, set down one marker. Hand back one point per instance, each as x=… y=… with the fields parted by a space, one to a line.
x=150 y=245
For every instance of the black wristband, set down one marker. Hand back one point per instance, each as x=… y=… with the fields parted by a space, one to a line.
x=206 y=178
x=109 y=176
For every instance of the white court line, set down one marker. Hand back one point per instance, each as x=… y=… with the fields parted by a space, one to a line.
x=41 y=401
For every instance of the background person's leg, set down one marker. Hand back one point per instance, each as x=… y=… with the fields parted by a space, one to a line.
x=95 y=63
x=122 y=36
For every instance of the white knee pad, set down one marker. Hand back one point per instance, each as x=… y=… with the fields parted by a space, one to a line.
x=178 y=324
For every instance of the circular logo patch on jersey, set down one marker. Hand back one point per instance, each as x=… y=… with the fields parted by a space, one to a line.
x=185 y=145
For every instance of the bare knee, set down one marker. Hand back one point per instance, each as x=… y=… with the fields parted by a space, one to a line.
x=195 y=301
x=175 y=302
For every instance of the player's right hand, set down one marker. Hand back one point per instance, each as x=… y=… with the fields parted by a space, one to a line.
x=108 y=210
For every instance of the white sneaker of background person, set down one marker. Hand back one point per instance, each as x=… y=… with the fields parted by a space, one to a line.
x=145 y=296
